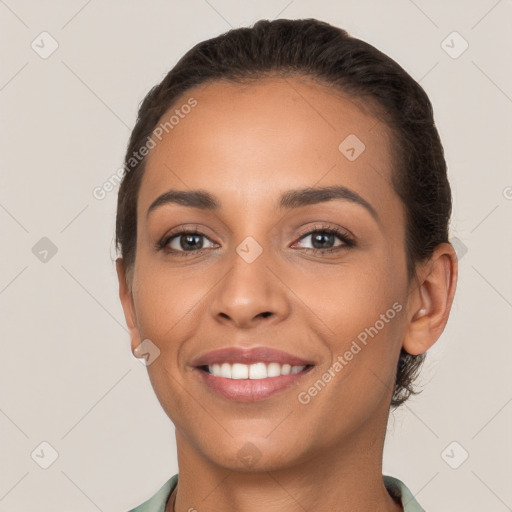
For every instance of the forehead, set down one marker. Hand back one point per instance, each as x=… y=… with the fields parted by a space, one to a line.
x=239 y=139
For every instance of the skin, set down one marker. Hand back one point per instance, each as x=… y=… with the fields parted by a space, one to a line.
x=247 y=145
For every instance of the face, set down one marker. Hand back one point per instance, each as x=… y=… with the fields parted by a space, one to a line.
x=268 y=263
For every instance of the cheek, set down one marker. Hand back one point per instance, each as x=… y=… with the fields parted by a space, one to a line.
x=350 y=296
x=356 y=312
x=163 y=300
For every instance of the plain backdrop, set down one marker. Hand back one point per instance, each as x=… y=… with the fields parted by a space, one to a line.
x=71 y=78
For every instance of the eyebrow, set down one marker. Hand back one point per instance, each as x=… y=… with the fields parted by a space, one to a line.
x=298 y=198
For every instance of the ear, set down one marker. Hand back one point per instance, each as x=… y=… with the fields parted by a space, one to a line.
x=125 y=294
x=430 y=299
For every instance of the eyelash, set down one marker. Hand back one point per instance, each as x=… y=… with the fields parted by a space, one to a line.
x=348 y=241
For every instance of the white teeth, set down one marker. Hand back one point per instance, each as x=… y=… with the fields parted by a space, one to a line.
x=286 y=369
x=273 y=370
x=225 y=370
x=239 y=371
x=253 y=371
x=258 y=371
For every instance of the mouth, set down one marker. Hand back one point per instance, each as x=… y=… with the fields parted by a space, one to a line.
x=246 y=374
x=251 y=383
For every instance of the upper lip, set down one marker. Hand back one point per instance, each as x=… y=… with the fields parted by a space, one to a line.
x=249 y=356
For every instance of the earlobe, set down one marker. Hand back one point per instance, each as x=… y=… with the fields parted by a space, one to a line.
x=430 y=303
x=126 y=297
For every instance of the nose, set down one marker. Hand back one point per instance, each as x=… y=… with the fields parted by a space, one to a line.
x=250 y=294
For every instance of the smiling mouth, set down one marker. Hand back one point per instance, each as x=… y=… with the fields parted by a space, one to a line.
x=255 y=371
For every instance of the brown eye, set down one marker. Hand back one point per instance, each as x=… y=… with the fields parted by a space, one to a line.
x=184 y=242
x=323 y=239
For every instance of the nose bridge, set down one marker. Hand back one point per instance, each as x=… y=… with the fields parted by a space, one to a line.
x=250 y=287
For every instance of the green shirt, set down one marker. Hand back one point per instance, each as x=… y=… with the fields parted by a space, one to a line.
x=395 y=487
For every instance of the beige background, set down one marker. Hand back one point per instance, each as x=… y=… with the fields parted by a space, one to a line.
x=67 y=376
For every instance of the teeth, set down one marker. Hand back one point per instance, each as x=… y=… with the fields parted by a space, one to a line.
x=252 y=371
x=239 y=371
x=225 y=370
x=257 y=371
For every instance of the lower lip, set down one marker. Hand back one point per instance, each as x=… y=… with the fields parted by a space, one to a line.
x=251 y=390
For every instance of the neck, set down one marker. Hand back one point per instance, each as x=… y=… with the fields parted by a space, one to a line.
x=345 y=477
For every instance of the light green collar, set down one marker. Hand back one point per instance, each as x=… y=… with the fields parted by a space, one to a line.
x=394 y=486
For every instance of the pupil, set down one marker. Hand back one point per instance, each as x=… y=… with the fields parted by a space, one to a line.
x=321 y=239
x=193 y=240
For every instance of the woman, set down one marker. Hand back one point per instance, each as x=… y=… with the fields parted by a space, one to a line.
x=285 y=265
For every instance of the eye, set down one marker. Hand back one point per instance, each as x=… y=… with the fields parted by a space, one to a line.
x=185 y=241
x=323 y=239
x=189 y=241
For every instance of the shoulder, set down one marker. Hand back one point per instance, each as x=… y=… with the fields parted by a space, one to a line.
x=158 y=501
x=399 y=491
